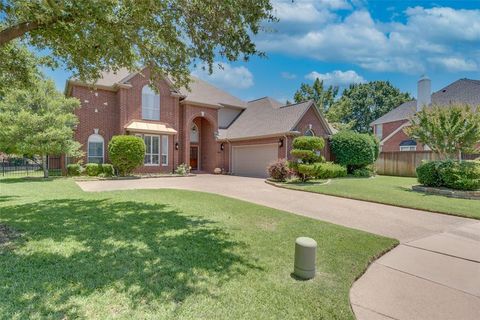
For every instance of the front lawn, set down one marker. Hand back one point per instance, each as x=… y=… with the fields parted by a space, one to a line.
x=391 y=190
x=167 y=254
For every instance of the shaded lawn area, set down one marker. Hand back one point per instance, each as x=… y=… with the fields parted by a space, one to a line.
x=167 y=254
x=391 y=190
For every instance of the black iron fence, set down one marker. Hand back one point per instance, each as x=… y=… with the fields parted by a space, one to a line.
x=26 y=167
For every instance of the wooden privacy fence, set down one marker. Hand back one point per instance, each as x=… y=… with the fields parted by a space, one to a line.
x=404 y=163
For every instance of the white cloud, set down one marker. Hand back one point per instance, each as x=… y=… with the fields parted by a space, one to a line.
x=288 y=75
x=337 y=77
x=454 y=64
x=226 y=76
x=437 y=37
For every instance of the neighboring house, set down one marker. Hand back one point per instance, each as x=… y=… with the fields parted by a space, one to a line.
x=204 y=127
x=389 y=127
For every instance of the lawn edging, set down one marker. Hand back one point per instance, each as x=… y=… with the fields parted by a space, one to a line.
x=283 y=186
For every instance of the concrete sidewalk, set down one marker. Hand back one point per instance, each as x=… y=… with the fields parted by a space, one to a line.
x=433 y=274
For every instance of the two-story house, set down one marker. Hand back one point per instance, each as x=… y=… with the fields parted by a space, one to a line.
x=204 y=126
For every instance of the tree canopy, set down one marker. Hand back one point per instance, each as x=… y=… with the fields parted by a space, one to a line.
x=449 y=130
x=89 y=37
x=324 y=98
x=38 y=121
x=360 y=104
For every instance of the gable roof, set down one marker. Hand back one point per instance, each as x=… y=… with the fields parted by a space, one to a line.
x=204 y=93
x=465 y=91
x=267 y=117
x=201 y=92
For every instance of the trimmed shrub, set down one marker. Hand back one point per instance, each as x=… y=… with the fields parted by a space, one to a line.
x=354 y=150
x=74 y=169
x=329 y=170
x=107 y=170
x=306 y=152
x=126 y=153
x=428 y=174
x=308 y=143
x=279 y=170
x=451 y=174
x=93 y=169
x=463 y=175
x=183 y=169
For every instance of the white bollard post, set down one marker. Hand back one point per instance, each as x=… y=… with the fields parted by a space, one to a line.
x=305 y=257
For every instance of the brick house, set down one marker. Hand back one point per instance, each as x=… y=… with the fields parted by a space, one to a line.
x=204 y=127
x=389 y=127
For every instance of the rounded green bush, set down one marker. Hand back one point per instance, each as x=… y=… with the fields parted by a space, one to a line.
x=354 y=150
x=108 y=170
x=93 y=169
x=74 y=169
x=126 y=153
x=364 y=172
x=463 y=175
x=428 y=175
x=308 y=143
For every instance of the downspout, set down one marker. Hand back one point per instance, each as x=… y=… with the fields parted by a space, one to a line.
x=286 y=147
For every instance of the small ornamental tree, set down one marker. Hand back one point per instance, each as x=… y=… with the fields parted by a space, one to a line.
x=38 y=121
x=354 y=150
x=306 y=153
x=126 y=153
x=448 y=131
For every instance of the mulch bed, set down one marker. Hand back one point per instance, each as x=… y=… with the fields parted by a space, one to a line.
x=7 y=234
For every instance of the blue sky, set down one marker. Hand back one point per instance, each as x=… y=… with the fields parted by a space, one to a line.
x=345 y=41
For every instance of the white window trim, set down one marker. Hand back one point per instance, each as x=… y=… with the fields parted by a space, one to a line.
x=159 y=151
x=408 y=148
x=95 y=138
x=150 y=92
x=379 y=136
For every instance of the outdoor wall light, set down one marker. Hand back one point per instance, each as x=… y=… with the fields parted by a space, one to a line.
x=176 y=145
x=222 y=146
x=280 y=143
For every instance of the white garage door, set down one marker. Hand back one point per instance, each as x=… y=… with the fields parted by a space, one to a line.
x=252 y=160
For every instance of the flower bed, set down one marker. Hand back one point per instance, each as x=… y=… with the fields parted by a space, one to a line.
x=474 y=195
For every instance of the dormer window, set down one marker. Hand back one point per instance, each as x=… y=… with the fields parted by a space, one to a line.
x=150 y=104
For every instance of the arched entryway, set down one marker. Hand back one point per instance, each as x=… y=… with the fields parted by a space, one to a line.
x=201 y=148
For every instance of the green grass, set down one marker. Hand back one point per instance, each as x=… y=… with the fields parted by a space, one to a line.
x=167 y=254
x=391 y=190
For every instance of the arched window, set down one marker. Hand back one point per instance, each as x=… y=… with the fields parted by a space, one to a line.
x=309 y=133
x=194 y=133
x=150 y=104
x=95 y=148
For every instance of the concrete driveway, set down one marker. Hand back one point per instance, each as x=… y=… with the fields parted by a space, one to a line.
x=433 y=274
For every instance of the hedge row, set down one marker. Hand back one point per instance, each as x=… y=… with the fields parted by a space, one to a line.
x=91 y=169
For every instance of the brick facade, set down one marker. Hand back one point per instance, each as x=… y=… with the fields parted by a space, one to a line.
x=111 y=110
x=393 y=143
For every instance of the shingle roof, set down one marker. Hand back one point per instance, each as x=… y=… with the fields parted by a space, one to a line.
x=465 y=91
x=205 y=93
x=265 y=117
x=200 y=91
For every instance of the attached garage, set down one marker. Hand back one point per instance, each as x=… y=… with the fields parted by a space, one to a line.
x=252 y=160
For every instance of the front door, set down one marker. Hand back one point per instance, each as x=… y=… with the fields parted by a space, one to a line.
x=194 y=157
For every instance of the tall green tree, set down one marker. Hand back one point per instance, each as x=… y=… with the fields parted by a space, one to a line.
x=448 y=131
x=360 y=104
x=89 y=37
x=38 y=121
x=323 y=97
